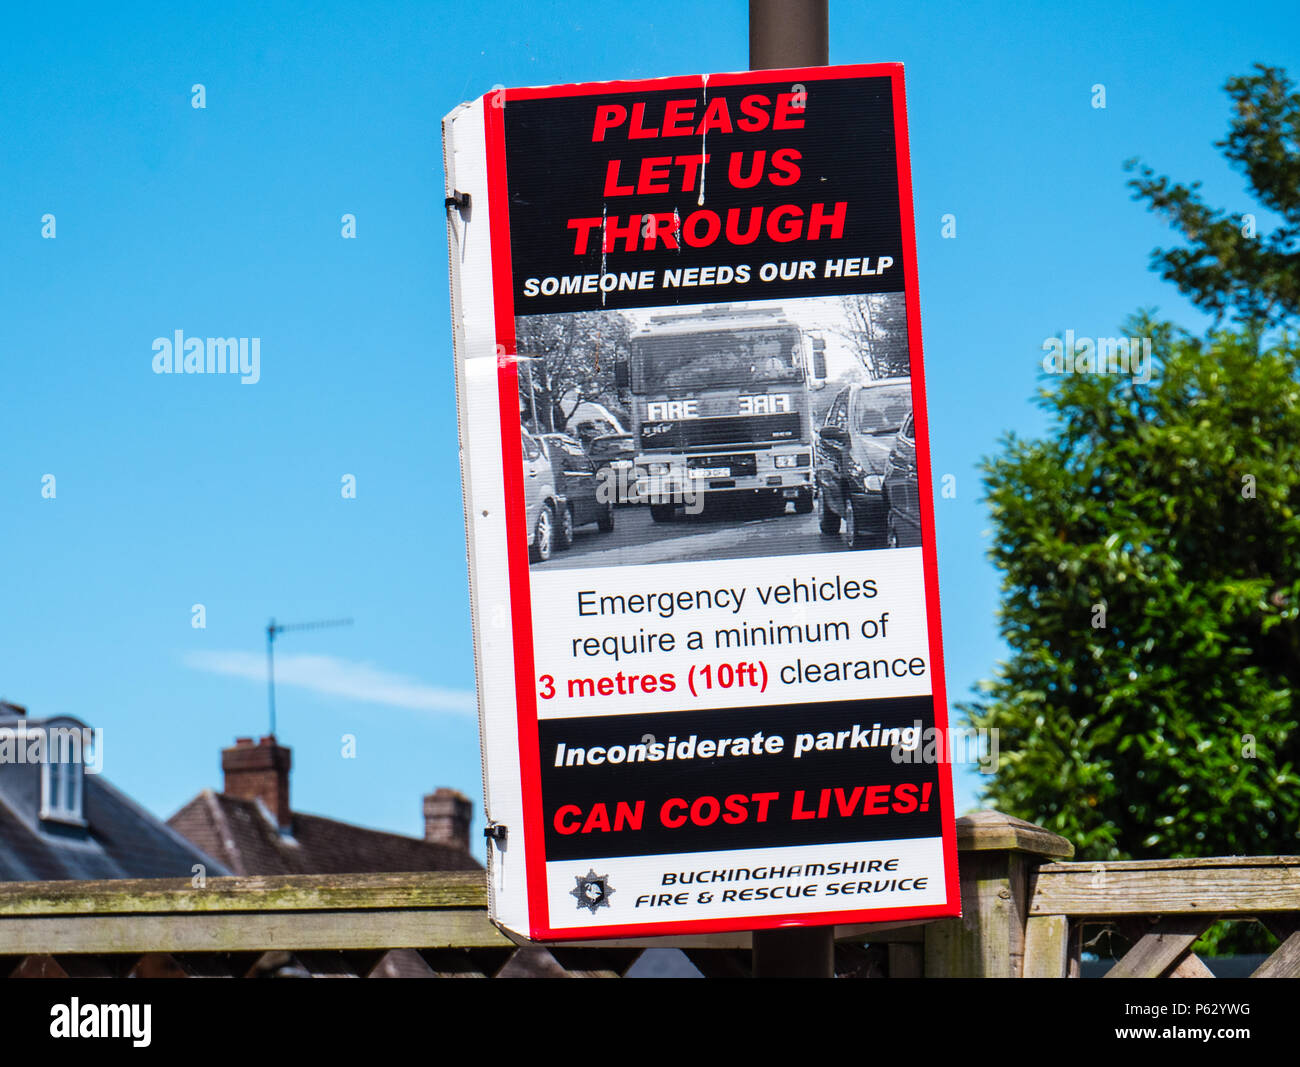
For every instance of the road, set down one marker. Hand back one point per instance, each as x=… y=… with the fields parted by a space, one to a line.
x=636 y=538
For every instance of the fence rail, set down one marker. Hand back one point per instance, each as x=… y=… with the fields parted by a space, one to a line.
x=1024 y=908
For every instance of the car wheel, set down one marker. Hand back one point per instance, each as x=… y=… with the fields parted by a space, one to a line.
x=543 y=534
x=803 y=503
x=606 y=521
x=872 y=523
x=830 y=522
x=564 y=535
x=662 y=512
x=864 y=523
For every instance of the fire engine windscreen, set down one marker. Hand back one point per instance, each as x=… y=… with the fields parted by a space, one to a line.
x=704 y=360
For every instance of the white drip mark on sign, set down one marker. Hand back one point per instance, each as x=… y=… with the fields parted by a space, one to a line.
x=704 y=141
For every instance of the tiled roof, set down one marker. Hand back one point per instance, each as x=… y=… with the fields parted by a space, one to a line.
x=243 y=836
x=120 y=840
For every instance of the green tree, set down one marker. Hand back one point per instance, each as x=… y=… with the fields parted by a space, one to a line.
x=1150 y=547
x=571 y=359
x=1228 y=264
x=877 y=331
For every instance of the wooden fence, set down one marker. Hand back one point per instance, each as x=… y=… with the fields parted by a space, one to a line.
x=1027 y=911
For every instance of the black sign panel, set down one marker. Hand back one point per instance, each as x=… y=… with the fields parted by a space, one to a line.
x=605 y=794
x=801 y=173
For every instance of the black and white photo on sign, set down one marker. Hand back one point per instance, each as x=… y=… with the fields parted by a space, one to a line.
x=719 y=431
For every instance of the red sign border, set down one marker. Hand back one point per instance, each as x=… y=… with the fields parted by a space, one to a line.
x=516 y=522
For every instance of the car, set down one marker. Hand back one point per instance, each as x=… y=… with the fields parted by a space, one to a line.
x=580 y=502
x=587 y=430
x=614 y=456
x=902 y=495
x=542 y=503
x=853 y=447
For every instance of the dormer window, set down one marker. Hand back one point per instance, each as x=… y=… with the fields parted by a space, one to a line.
x=61 y=792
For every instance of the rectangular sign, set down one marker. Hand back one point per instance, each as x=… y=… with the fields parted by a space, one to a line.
x=698 y=503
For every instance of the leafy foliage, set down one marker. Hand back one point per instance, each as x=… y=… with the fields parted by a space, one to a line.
x=1150 y=548
x=878 y=332
x=573 y=357
x=1228 y=265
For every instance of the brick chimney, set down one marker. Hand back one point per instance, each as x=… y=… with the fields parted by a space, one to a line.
x=259 y=772
x=446 y=818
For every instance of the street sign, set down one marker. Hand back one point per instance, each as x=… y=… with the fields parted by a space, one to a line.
x=695 y=457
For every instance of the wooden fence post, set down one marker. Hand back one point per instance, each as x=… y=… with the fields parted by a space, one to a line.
x=997 y=857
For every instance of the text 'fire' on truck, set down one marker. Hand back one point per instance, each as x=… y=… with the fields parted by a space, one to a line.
x=721 y=409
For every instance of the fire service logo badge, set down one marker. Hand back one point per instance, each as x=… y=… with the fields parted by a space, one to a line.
x=592 y=891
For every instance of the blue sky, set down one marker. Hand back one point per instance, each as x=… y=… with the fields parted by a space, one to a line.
x=173 y=491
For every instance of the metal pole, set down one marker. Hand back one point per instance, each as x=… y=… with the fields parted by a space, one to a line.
x=795 y=952
x=788 y=33
x=791 y=33
x=273 y=628
x=270 y=670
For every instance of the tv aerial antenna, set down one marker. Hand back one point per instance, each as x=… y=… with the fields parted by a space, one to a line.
x=272 y=629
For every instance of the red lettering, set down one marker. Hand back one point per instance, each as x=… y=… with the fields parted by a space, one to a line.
x=712 y=223
x=785 y=164
x=607 y=117
x=755 y=175
x=797 y=811
x=627 y=817
x=698 y=809
x=737 y=812
x=654 y=175
x=754 y=109
x=598 y=819
x=851 y=806
x=757 y=113
x=904 y=798
x=561 y=814
x=676 y=112
x=877 y=800
x=612 y=188
x=673 y=821
x=630 y=231
x=762 y=800
x=664 y=225
x=787 y=117
x=818 y=218
x=584 y=228
x=636 y=131
x=791 y=230
x=716 y=117
x=690 y=167
x=755 y=225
